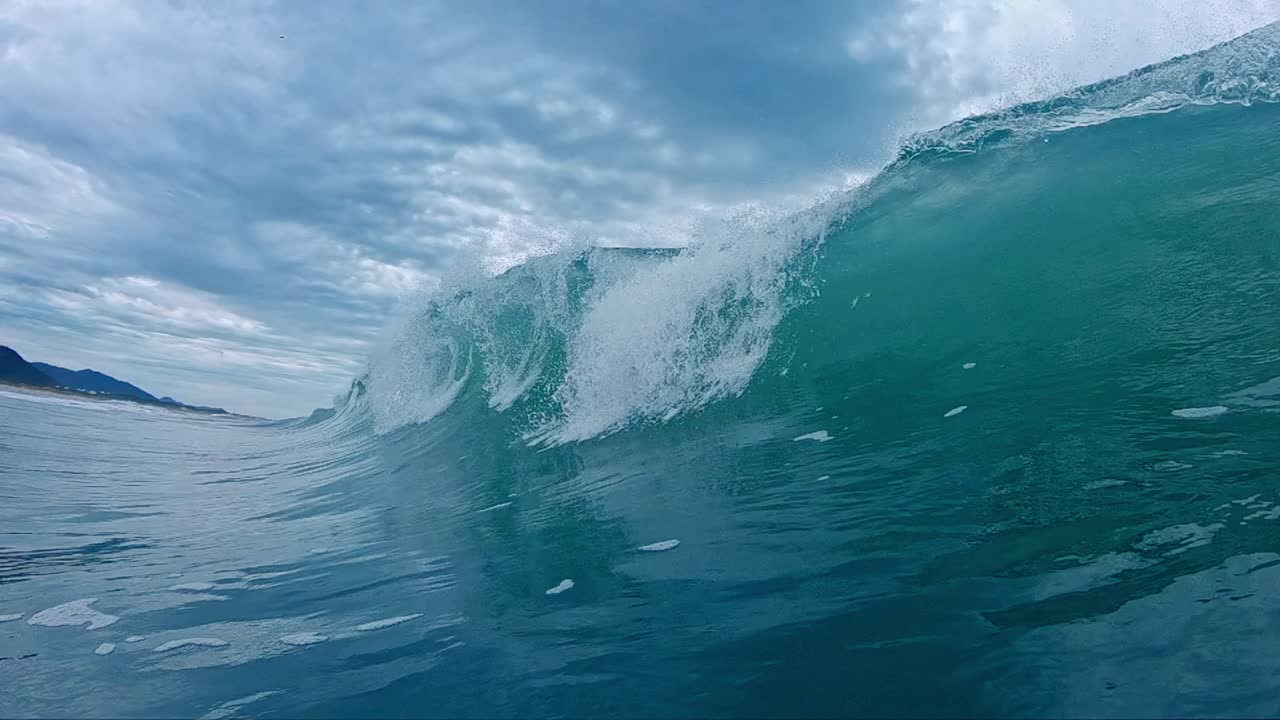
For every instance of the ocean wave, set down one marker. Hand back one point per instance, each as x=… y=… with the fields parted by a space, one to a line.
x=1244 y=70
x=581 y=345
x=578 y=345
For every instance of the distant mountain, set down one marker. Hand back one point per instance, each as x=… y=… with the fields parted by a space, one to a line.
x=166 y=400
x=14 y=369
x=93 y=381
x=204 y=408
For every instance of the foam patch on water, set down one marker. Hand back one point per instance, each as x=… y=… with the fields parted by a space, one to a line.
x=105 y=649
x=76 y=612
x=491 y=508
x=1100 y=484
x=380 y=624
x=306 y=638
x=955 y=411
x=819 y=436
x=565 y=584
x=230 y=708
x=659 y=546
x=1170 y=466
x=1200 y=412
x=969 y=365
x=194 y=586
x=823 y=477
x=10 y=618
x=192 y=642
x=135 y=638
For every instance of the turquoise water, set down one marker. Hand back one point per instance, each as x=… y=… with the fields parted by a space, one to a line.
x=994 y=435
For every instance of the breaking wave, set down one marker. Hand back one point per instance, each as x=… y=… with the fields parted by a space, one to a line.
x=576 y=345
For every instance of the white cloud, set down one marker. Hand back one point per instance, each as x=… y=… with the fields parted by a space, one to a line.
x=142 y=300
x=41 y=194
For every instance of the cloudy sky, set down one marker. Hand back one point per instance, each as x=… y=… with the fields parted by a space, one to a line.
x=225 y=201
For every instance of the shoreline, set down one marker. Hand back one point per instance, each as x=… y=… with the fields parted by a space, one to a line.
x=80 y=395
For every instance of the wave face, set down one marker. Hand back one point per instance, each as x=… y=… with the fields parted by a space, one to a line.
x=573 y=347
x=585 y=344
x=994 y=435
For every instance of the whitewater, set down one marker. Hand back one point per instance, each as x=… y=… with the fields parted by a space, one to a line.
x=994 y=434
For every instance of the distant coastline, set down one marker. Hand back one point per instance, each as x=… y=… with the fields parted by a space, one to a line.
x=79 y=395
x=16 y=372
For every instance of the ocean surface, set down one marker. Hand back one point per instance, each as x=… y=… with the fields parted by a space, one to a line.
x=996 y=434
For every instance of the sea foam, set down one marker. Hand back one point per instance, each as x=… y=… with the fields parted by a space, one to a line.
x=565 y=584
x=76 y=612
x=819 y=436
x=1200 y=412
x=192 y=642
x=380 y=624
x=306 y=638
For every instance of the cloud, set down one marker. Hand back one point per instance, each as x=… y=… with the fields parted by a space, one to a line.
x=224 y=203
x=128 y=301
x=44 y=194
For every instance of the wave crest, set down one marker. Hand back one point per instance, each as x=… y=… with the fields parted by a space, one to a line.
x=575 y=346
x=1244 y=70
